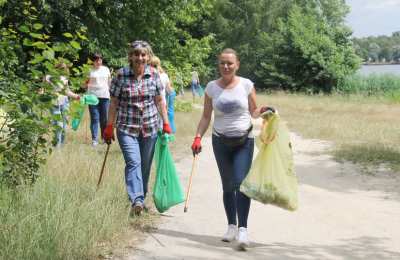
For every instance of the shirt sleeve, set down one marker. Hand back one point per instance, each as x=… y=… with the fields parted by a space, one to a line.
x=116 y=84
x=249 y=85
x=159 y=86
x=108 y=72
x=208 y=89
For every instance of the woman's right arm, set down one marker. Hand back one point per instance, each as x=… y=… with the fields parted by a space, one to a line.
x=206 y=117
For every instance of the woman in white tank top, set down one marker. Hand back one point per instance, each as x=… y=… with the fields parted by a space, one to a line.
x=233 y=100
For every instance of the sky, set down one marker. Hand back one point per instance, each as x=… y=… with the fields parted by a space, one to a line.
x=373 y=17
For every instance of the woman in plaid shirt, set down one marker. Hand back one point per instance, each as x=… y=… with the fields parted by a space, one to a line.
x=135 y=103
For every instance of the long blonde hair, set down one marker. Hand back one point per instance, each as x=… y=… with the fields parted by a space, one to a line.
x=156 y=63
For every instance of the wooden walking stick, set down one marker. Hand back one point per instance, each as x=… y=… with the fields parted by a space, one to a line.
x=190 y=183
x=102 y=167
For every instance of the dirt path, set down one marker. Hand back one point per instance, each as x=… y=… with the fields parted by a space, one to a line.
x=342 y=215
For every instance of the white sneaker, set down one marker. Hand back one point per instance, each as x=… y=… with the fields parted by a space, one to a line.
x=230 y=233
x=243 y=239
x=94 y=143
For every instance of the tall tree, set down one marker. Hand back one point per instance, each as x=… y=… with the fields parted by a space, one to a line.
x=307 y=52
x=268 y=34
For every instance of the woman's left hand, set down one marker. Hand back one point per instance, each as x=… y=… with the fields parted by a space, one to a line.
x=266 y=108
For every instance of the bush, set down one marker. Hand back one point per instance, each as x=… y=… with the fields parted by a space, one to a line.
x=27 y=54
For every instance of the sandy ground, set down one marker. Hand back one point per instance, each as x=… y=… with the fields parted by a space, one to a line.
x=342 y=214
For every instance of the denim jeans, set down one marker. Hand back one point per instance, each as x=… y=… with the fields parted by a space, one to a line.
x=170 y=110
x=195 y=88
x=138 y=155
x=234 y=164
x=61 y=123
x=98 y=115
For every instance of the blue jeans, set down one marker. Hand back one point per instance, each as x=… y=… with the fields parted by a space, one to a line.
x=98 y=115
x=60 y=111
x=138 y=155
x=195 y=88
x=170 y=110
x=234 y=164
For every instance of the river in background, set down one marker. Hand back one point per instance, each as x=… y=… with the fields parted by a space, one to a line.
x=380 y=69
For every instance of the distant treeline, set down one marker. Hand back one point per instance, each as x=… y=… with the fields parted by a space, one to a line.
x=379 y=49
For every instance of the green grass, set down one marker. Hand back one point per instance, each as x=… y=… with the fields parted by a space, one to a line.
x=182 y=105
x=365 y=130
x=186 y=126
x=385 y=85
x=62 y=216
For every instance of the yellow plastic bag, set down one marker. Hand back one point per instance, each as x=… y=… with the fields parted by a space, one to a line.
x=272 y=179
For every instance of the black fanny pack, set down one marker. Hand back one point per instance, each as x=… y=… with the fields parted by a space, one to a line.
x=236 y=140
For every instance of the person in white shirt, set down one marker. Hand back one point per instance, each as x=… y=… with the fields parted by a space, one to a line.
x=233 y=100
x=168 y=93
x=195 y=84
x=61 y=103
x=98 y=84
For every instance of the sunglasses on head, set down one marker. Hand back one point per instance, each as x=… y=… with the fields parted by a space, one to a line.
x=139 y=44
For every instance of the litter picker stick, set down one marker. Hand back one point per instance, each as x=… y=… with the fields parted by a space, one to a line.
x=190 y=183
x=103 y=166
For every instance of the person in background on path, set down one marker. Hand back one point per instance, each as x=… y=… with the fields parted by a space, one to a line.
x=171 y=94
x=136 y=104
x=98 y=84
x=233 y=98
x=195 y=84
x=179 y=84
x=61 y=104
x=168 y=92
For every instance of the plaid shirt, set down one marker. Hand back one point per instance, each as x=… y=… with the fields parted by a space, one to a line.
x=137 y=110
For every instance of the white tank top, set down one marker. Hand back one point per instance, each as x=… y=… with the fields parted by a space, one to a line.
x=231 y=107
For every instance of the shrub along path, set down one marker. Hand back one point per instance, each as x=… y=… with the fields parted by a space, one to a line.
x=343 y=214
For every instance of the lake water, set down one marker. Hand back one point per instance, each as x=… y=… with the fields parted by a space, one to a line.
x=380 y=69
